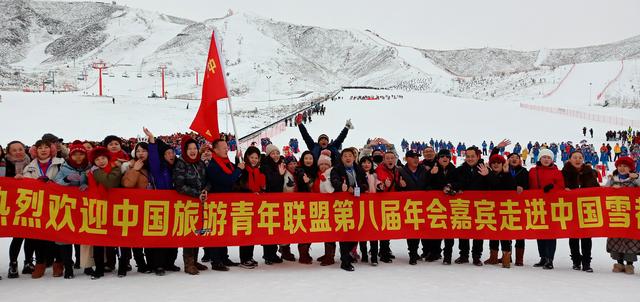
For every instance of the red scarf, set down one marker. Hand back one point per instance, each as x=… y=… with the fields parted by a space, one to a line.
x=224 y=163
x=316 y=184
x=256 y=181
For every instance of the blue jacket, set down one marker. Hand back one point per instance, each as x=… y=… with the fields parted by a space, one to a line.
x=220 y=182
x=315 y=148
x=161 y=174
x=67 y=170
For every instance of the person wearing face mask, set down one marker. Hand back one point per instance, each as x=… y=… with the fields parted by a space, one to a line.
x=577 y=175
x=377 y=156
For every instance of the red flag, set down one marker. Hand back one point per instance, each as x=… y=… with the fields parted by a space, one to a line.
x=213 y=89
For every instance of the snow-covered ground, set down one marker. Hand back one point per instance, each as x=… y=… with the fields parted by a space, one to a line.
x=419 y=116
x=397 y=281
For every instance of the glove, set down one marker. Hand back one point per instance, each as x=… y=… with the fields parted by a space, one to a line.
x=83 y=188
x=290 y=183
x=348 y=125
x=43 y=179
x=73 y=178
x=547 y=188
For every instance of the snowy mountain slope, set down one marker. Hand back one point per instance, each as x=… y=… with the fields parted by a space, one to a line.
x=263 y=56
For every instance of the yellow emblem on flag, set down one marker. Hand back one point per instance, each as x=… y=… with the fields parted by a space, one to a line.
x=208 y=133
x=212 y=65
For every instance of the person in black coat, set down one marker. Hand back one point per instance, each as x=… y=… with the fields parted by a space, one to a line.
x=578 y=175
x=348 y=177
x=500 y=180
x=520 y=176
x=273 y=168
x=471 y=175
x=222 y=176
x=441 y=177
x=413 y=177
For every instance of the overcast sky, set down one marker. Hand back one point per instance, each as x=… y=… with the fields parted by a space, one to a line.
x=452 y=24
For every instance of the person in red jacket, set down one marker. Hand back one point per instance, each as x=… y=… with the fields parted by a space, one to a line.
x=546 y=176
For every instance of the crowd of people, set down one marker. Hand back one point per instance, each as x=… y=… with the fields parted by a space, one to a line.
x=628 y=136
x=198 y=169
x=384 y=97
x=305 y=115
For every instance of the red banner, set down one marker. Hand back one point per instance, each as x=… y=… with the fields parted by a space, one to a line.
x=155 y=218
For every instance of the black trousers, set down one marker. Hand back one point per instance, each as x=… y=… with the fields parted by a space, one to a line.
x=413 y=245
x=66 y=251
x=431 y=246
x=547 y=248
x=373 y=250
x=246 y=253
x=577 y=245
x=345 y=251
x=506 y=245
x=159 y=257
x=46 y=251
x=448 y=249
x=270 y=251
x=218 y=255
x=14 y=250
x=476 y=250
x=385 y=248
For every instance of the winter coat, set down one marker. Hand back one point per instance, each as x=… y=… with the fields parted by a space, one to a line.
x=62 y=178
x=315 y=148
x=161 y=173
x=392 y=175
x=11 y=165
x=33 y=170
x=416 y=181
x=136 y=179
x=325 y=185
x=289 y=182
x=622 y=245
x=189 y=179
x=108 y=180
x=271 y=171
x=312 y=173
x=541 y=176
x=616 y=180
x=521 y=176
x=219 y=181
x=445 y=176
x=501 y=181
x=339 y=176
x=574 y=179
x=467 y=178
x=428 y=164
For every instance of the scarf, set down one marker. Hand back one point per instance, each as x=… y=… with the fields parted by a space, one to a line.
x=20 y=164
x=351 y=175
x=224 y=163
x=316 y=184
x=255 y=179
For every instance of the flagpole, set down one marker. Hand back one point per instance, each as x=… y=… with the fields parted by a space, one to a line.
x=224 y=76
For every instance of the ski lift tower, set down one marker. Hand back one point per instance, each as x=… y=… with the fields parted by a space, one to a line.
x=162 y=69
x=100 y=65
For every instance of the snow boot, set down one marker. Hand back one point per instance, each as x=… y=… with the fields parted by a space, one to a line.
x=329 y=254
x=189 y=265
x=506 y=259
x=303 y=250
x=28 y=268
x=493 y=257
x=477 y=261
x=628 y=269
x=519 y=256
x=199 y=266
x=285 y=253
x=577 y=262
x=13 y=270
x=618 y=268
x=586 y=265
x=38 y=271
x=541 y=263
x=58 y=269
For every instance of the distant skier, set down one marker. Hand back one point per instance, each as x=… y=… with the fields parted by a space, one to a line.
x=591 y=132
x=584 y=131
x=113 y=100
